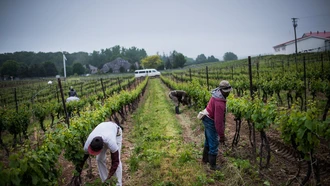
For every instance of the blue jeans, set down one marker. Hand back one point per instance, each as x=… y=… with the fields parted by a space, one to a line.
x=211 y=136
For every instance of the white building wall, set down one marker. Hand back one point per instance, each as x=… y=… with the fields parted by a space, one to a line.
x=291 y=49
x=306 y=44
x=311 y=43
x=280 y=50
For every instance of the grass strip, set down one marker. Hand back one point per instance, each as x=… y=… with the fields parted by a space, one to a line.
x=159 y=156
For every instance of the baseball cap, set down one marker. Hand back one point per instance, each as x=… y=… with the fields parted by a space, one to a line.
x=95 y=146
x=225 y=86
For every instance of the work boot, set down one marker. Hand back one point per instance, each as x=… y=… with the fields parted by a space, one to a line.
x=213 y=162
x=205 y=155
x=177 y=110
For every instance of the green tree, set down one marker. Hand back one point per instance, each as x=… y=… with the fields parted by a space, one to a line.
x=179 y=60
x=78 y=68
x=133 y=68
x=151 y=61
x=36 y=70
x=23 y=70
x=168 y=64
x=69 y=71
x=95 y=59
x=80 y=57
x=133 y=54
x=116 y=52
x=189 y=60
x=9 y=68
x=50 y=69
x=201 y=58
x=228 y=56
x=212 y=59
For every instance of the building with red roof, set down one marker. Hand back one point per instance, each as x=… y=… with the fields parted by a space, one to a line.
x=309 y=42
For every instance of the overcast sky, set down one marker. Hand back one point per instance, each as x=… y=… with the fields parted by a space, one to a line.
x=191 y=27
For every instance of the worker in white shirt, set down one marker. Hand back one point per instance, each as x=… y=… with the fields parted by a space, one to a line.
x=106 y=135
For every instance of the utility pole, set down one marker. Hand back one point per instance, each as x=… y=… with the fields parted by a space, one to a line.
x=294 y=21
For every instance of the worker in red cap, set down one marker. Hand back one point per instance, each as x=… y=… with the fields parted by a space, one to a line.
x=106 y=135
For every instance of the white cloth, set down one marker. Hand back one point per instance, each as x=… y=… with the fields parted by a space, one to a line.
x=202 y=113
x=74 y=98
x=108 y=131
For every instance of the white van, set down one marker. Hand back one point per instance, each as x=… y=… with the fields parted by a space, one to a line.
x=146 y=72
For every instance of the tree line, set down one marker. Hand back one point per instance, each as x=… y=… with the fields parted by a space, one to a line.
x=30 y=64
x=26 y=64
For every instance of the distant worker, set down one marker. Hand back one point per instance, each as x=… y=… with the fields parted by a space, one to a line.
x=179 y=96
x=72 y=92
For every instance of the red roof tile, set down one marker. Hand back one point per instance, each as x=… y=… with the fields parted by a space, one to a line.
x=323 y=34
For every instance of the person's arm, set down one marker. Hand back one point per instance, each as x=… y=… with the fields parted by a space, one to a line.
x=114 y=163
x=79 y=167
x=219 y=122
x=186 y=99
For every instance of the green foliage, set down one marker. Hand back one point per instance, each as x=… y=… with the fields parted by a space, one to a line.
x=50 y=69
x=186 y=156
x=304 y=128
x=12 y=123
x=134 y=163
x=201 y=58
x=9 y=68
x=41 y=64
x=263 y=114
x=237 y=106
x=228 y=56
x=204 y=180
x=212 y=59
x=151 y=61
x=40 y=112
x=179 y=60
x=218 y=175
x=78 y=68
x=38 y=165
x=243 y=165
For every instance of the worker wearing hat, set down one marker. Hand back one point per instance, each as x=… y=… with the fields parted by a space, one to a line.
x=106 y=135
x=72 y=92
x=214 y=123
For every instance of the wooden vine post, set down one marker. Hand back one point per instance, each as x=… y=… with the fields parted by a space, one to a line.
x=63 y=101
x=103 y=89
x=251 y=124
x=305 y=84
x=207 y=78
